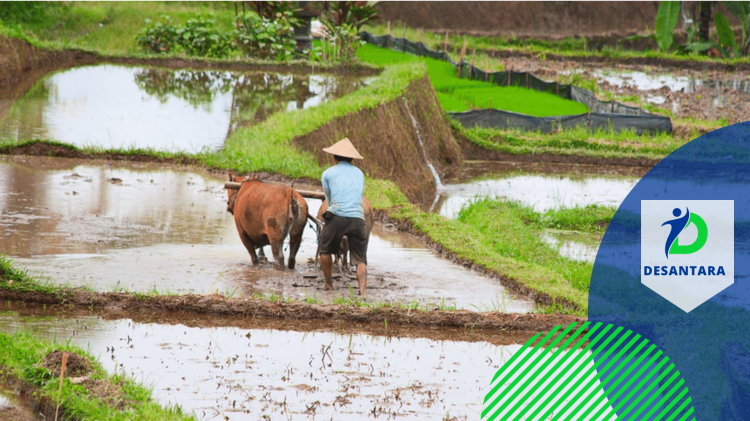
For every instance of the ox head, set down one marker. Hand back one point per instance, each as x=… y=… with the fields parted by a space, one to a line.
x=231 y=193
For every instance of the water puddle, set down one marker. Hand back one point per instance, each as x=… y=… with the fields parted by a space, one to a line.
x=577 y=246
x=139 y=227
x=249 y=373
x=676 y=83
x=548 y=186
x=113 y=106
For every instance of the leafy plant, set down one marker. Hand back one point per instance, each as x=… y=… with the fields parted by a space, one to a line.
x=159 y=37
x=741 y=10
x=342 y=21
x=354 y=13
x=666 y=21
x=726 y=34
x=201 y=37
x=266 y=38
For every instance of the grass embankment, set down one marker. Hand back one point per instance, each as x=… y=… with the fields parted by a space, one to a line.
x=578 y=141
x=458 y=94
x=99 y=397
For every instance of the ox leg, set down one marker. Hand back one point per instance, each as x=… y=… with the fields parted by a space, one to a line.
x=278 y=254
x=262 y=255
x=294 y=244
x=250 y=247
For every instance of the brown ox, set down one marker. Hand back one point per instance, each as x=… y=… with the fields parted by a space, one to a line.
x=265 y=214
x=344 y=246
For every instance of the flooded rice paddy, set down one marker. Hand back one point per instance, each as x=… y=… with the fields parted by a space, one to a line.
x=542 y=186
x=139 y=227
x=245 y=373
x=114 y=106
x=708 y=95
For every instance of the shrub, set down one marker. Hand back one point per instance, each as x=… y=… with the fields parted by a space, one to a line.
x=266 y=38
x=201 y=37
x=159 y=37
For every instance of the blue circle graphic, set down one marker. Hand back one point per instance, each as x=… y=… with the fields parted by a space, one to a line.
x=708 y=344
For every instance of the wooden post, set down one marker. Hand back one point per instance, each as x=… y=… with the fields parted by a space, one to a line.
x=486 y=68
x=527 y=79
x=509 y=76
x=473 y=52
x=62 y=376
x=490 y=105
x=461 y=57
x=612 y=106
x=403 y=44
x=388 y=34
x=445 y=43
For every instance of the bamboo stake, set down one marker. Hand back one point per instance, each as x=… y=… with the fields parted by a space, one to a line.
x=388 y=40
x=509 y=76
x=62 y=376
x=461 y=58
x=403 y=45
x=527 y=79
x=473 y=52
x=486 y=68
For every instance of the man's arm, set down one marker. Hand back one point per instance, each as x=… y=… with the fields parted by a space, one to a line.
x=326 y=188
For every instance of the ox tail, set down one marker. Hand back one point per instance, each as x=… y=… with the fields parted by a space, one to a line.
x=292 y=214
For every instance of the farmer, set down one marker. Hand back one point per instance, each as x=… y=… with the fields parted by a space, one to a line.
x=344 y=185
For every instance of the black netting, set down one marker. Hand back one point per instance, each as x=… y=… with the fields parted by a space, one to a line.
x=602 y=114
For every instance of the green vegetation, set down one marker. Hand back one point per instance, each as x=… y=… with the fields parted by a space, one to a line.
x=477 y=236
x=578 y=141
x=111 y=27
x=21 y=356
x=589 y=218
x=457 y=94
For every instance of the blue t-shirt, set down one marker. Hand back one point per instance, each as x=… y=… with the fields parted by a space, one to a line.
x=344 y=185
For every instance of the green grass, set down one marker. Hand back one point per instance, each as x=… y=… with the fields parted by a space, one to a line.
x=460 y=94
x=110 y=27
x=589 y=218
x=21 y=354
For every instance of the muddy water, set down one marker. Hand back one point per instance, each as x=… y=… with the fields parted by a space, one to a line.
x=141 y=228
x=244 y=374
x=114 y=106
x=544 y=187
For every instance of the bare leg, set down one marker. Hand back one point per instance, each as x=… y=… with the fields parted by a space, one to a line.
x=326 y=262
x=362 y=278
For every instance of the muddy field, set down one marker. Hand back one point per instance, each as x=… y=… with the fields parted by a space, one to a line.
x=86 y=223
x=290 y=372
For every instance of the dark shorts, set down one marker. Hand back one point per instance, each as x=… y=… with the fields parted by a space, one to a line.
x=338 y=226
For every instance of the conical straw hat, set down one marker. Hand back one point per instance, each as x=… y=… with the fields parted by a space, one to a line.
x=343 y=148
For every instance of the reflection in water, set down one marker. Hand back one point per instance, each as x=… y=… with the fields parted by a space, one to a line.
x=179 y=110
x=244 y=373
x=84 y=223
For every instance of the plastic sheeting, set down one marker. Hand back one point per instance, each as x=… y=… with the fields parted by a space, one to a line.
x=602 y=114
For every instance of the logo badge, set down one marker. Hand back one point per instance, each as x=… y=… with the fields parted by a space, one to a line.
x=689 y=258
